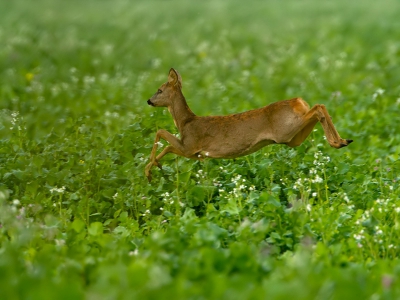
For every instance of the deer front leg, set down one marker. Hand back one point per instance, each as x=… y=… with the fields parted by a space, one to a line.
x=175 y=146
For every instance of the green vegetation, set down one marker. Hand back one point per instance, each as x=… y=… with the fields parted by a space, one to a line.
x=78 y=218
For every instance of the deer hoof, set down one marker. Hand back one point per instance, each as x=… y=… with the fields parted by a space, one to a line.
x=148 y=175
x=147 y=171
x=345 y=143
x=157 y=164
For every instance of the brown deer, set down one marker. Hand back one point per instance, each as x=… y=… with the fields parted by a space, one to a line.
x=286 y=122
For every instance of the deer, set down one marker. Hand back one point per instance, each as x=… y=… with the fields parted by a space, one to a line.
x=287 y=122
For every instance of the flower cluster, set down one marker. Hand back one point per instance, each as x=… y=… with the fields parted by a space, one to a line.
x=377 y=93
x=109 y=114
x=168 y=201
x=320 y=160
x=315 y=177
x=60 y=190
x=240 y=186
x=359 y=238
x=201 y=176
x=167 y=198
x=16 y=121
x=146 y=213
x=378 y=235
x=217 y=183
x=301 y=184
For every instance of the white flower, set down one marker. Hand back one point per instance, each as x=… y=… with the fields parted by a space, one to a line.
x=60 y=190
x=236 y=178
x=134 y=253
x=378 y=92
x=358 y=237
x=60 y=242
x=317 y=179
x=16 y=202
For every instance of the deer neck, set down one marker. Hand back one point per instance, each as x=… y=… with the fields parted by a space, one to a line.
x=180 y=111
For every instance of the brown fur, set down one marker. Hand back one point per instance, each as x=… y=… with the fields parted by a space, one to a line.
x=285 y=122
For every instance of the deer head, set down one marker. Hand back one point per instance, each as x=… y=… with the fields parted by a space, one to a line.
x=164 y=95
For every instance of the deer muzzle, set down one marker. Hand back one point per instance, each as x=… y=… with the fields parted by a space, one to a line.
x=150 y=103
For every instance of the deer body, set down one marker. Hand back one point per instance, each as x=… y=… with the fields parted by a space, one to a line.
x=285 y=122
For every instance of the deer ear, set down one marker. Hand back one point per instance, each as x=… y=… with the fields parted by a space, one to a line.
x=174 y=78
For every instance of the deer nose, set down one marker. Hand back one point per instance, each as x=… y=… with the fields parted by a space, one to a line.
x=150 y=103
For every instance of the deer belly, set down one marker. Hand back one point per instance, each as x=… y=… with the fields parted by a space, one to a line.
x=234 y=147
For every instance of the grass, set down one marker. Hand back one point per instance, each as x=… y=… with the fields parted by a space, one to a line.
x=78 y=218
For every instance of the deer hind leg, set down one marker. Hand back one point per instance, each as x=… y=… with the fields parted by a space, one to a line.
x=318 y=113
x=175 y=146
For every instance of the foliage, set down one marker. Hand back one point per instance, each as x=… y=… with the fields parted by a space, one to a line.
x=78 y=218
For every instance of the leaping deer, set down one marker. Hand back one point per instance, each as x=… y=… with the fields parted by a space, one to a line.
x=286 y=122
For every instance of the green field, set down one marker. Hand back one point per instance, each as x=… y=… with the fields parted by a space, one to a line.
x=78 y=218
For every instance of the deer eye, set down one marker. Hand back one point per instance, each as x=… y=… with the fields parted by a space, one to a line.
x=159 y=91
